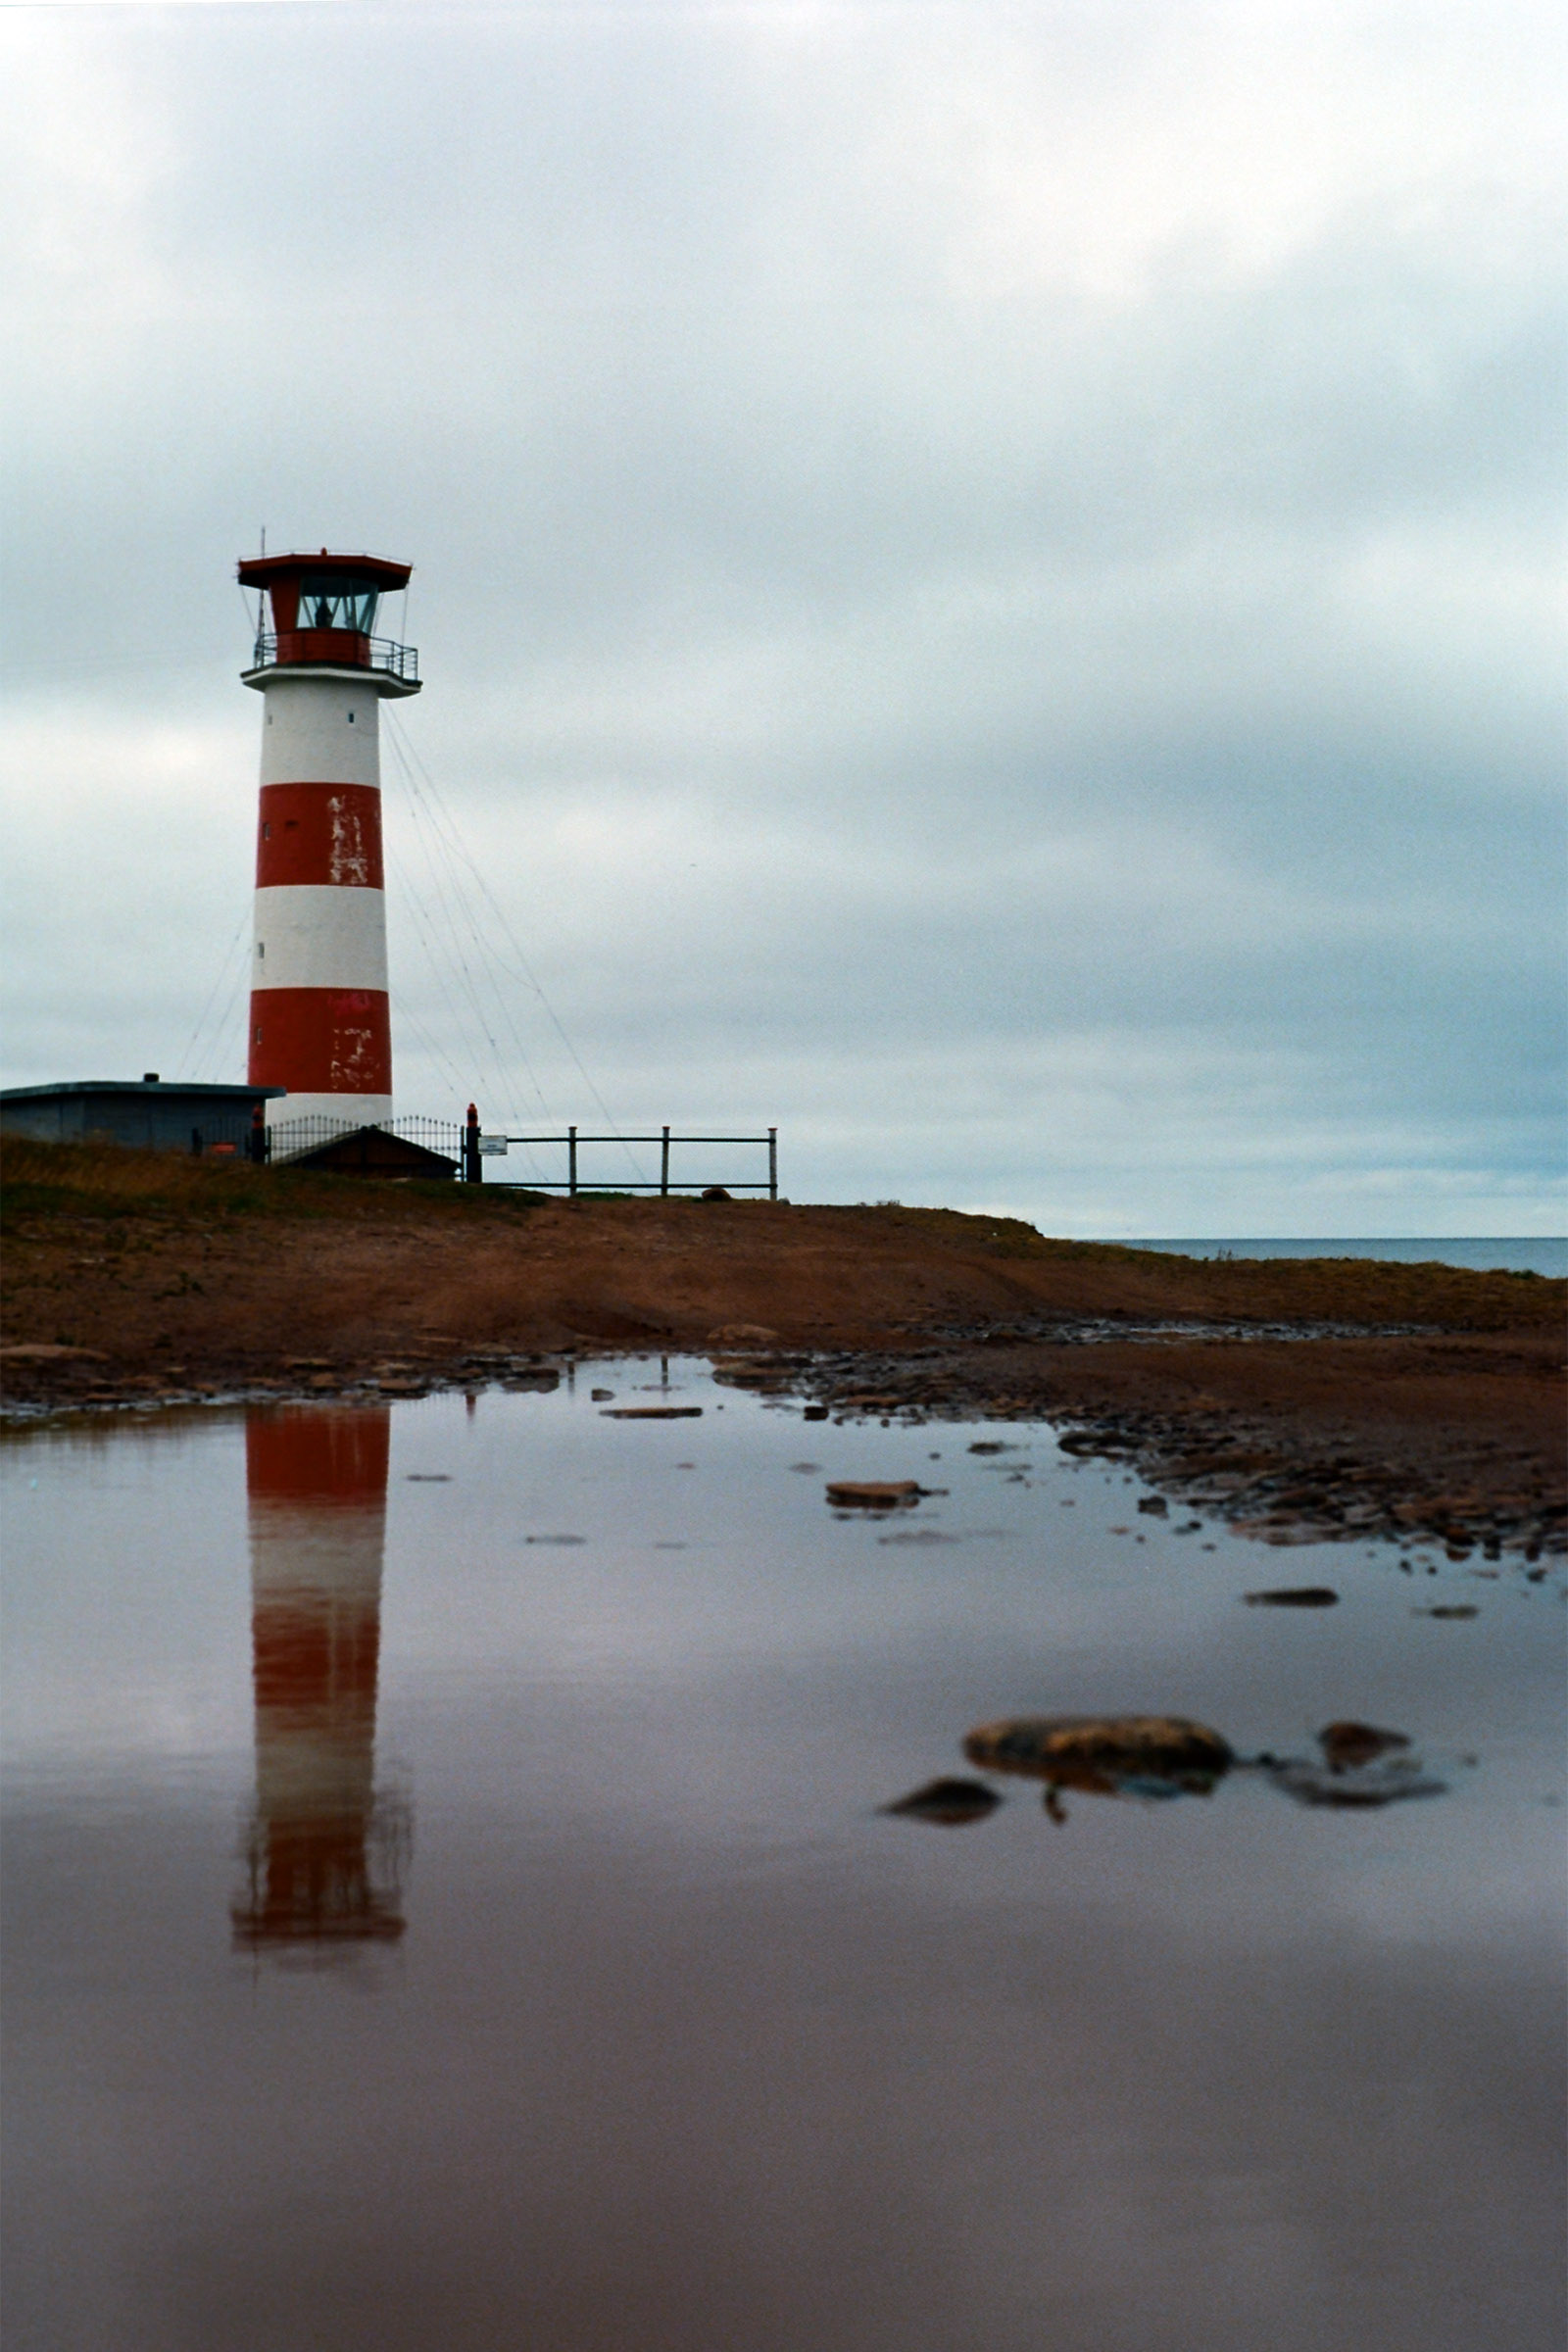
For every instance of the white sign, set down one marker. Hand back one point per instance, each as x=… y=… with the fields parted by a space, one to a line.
x=492 y=1146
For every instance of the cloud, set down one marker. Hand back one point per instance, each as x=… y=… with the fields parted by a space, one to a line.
x=946 y=540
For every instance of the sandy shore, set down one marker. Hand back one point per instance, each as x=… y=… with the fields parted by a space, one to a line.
x=1314 y=1397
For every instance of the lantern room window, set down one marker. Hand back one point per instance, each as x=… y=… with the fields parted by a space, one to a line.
x=328 y=601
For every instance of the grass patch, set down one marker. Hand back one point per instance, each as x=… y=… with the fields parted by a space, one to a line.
x=114 y=1183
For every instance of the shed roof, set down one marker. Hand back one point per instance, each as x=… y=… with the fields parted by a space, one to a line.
x=141 y=1086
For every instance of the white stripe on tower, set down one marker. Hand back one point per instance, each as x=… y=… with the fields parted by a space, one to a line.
x=319 y=1024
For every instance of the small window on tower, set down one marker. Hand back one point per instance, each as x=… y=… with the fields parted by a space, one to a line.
x=350 y=718
x=260 y=948
x=267 y=832
x=257 y=1039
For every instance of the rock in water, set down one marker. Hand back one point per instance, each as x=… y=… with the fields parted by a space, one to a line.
x=651 y=1412
x=1107 y=1755
x=874 y=1495
x=1295 y=1596
x=950 y=1803
x=1348 y=1744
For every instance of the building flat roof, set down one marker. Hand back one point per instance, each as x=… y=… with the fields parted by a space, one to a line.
x=137 y=1086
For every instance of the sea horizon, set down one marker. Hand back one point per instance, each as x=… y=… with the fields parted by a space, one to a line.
x=1510 y=1254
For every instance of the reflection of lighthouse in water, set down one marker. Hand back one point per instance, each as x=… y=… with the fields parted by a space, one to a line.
x=324 y=1852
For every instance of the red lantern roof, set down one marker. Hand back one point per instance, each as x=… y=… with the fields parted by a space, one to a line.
x=262 y=572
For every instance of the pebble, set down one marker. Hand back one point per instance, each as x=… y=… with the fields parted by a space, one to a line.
x=949 y=1803
x=1295 y=1596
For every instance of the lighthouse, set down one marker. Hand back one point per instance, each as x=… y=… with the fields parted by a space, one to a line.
x=319 y=1022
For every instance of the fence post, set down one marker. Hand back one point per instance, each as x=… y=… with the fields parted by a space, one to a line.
x=257 y=1145
x=773 y=1164
x=472 y=1171
x=664 y=1166
x=571 y=1163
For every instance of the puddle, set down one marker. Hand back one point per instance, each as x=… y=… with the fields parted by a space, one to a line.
x=472 y=1879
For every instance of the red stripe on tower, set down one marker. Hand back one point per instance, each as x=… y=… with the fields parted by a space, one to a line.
x=320 y=1022
x=322 y=833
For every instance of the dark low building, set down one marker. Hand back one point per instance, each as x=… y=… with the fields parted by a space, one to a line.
x=376 y=1151
x=149 y=1114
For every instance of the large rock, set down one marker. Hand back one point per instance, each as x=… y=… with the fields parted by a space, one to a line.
x=1107 y=1755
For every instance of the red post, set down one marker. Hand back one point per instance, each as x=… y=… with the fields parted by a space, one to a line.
x=472 y=1171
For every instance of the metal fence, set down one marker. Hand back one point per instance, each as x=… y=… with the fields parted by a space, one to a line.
x=291 y=1138
x=470 y=1146
x=228 y=1136
x=380 y=652
x=480 y=1145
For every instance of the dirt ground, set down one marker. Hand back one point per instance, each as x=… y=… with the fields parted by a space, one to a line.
x=1302 y=1396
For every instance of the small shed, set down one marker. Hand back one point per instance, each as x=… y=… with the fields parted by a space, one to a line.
x=376 y=1151
x=149 y=1113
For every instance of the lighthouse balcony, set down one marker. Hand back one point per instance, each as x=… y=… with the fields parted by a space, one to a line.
x=337 y=649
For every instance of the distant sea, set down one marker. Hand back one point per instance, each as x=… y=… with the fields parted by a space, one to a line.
x=1531 y=1254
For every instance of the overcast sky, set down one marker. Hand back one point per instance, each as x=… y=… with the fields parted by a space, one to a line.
x=987 y=575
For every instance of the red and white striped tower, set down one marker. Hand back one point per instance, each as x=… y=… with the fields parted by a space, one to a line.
x=318 y=999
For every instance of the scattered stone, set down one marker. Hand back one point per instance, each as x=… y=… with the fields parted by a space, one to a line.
x=654 y=1412
x=49 y=1351
x=742 y=1372
x=602 y=1395
x=1350 y=1743
x=1105 y=1754
x=1454 y=1609
x=874 y=1495
x=990 y=1446
x=1294 y=1597
x=1155 y=1505
x=742 y=1335
x=950 y=1803
x=715 y=1192
x=814 y=1412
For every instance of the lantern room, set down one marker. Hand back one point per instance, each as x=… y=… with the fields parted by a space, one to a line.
x=323 y=609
